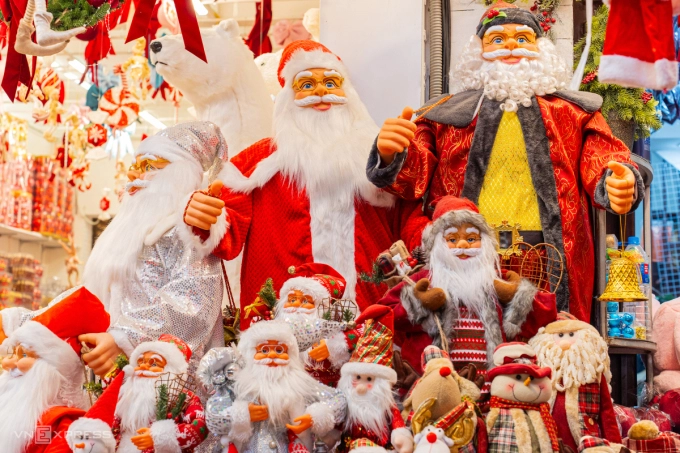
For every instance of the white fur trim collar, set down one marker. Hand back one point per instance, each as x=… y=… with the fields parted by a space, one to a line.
x=194 y=242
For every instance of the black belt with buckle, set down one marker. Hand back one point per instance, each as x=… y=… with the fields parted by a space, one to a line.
x=532 y=237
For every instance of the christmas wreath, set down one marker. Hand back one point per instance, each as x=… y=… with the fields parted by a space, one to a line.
x=70 y=14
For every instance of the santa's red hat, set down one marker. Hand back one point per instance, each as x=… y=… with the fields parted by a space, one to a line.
x=516 y=358
x=451 y=211
x=299 y=56
x=373 y=352
x=99 y=419
x=174 y=350
x=53 y=334
x=320 y=281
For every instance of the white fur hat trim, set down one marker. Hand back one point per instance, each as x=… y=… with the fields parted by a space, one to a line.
x=262 y=331
x=307 y=285
x=176 y=361
x=372 y=369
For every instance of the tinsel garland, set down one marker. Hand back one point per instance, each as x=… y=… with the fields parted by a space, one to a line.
x=630 y=104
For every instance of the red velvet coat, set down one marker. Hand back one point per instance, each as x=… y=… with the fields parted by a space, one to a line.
x=568 y=145
x=357 y=432
x=269 y=218
x=50 y=435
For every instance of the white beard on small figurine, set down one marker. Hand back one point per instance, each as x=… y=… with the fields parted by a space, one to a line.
x=153 y=208
x=23 y=400
x=371 y=410
x=514 y=84
x=466 y=282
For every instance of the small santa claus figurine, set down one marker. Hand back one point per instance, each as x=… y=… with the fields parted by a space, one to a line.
x=462 y=290
x=41 y=390
x=581 y=403
x=299 y=299
x=519 y=418
x=136 y=425
x=374 y=423
x=92 y=433
x=279 y=407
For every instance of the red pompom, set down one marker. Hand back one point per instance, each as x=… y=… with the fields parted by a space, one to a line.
x=431 y=438
x=443 y=372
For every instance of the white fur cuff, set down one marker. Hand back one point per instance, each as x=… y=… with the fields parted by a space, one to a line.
x=322 y=418
x=122 y=340
x=338 y=349
x=164 y=434
x=192 y=241
x=402 y=440
x=241 y=427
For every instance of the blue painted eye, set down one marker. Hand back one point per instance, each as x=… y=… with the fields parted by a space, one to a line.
x=307 y=86
x=497 y=41
x=522 y=40
x=330 y=85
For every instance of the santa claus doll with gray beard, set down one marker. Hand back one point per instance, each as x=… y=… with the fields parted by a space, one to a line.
x=462 y=295
x=513 y=139
x=300 y=300
x=578 y=356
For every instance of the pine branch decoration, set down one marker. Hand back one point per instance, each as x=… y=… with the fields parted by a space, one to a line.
x=162 y=402
x=627 y=103
x=267 y=294
x=376 y=276
x=177 y=409
x=69 y=14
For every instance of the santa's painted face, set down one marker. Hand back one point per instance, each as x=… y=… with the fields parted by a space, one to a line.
x=566 y=340
x=464 y=240
x=298 y=299
x=271 y=353
x=319 y=88
x=509 y=43
x=362 y=383
x=19 y=360
x=143 y=170
x=150 y=365
x=522 y=387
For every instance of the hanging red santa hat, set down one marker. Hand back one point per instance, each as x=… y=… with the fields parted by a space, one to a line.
x=175 y=352
x=373 y=352
x=449 y=212
x=300 y=56
x=320 y=281
x=95 y=426
x=53 y=334
x=516 y=358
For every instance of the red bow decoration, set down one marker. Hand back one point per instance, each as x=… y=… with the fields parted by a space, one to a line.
x=186 y=16
x=17 y=70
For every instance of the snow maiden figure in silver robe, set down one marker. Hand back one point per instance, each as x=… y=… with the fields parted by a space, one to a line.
x=149 y=278
x=279 y=408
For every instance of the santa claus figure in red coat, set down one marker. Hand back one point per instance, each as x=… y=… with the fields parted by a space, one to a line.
x=302 y=195
x=374 y=423
x=41 y=390
x=462 y=295
x=136 y=425
x=513 y=140
x=581 y=403
x=300 y=300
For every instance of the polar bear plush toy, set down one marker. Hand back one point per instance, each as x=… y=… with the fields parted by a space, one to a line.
x=228 y=90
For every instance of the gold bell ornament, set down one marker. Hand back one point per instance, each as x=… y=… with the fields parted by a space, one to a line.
x=624 y=277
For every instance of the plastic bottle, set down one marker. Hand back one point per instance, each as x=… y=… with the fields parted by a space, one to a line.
x=612 y=243
x=639 y=256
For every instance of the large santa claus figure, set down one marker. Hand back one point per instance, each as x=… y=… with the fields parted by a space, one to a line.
x=299 y=302
x=581 y=402
x=513 y=140
x=41 y=390
x=142 y=268
x=462 y=295
x=302 y=195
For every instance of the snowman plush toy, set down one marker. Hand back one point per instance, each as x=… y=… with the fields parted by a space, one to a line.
x=432 y=440
x=520 y=419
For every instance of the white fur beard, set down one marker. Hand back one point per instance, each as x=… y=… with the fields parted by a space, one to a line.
x=325 y=152
x=513 y=85
x=466 y=282
x=23 y=400
x=583 y=363
x=137 y=403
x=114 y=256
x=283 y=389
x=372 y=410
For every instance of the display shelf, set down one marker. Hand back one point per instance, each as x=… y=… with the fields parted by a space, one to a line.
x=626 y=346
x=29 y=236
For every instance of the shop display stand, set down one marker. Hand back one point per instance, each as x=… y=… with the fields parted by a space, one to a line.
x=623 y=351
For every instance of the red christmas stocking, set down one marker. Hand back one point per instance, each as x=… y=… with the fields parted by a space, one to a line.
x=638 y=47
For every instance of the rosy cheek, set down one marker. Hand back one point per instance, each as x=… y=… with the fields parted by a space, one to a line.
x=369 y=386
x=511 y=386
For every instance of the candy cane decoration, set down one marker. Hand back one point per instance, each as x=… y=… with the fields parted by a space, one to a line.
x=120 y=104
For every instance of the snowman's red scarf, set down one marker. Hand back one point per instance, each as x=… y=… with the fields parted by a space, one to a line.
x=543 y=408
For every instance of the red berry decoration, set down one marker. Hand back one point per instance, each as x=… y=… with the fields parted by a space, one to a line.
x=545 y=13
x=589 y=77
x=553 y=20
x=646 y=97
x=492 y=13
x=534 y=8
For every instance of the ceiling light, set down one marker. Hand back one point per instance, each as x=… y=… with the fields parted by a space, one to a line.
x=71 y=76
x=199 y=8
x=55 y=64
x=77 y=65
x=152 y=120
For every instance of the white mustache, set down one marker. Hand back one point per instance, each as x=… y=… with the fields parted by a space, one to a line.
x=298 y=310
x=147 y=373
x=519 y=52
x=139 y=183
x=16 y=372
x=468 y=252
x=268 y=361
x=329 y=99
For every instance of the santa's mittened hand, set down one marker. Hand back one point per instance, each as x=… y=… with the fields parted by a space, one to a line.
x=143 y=441
x=204 y=209
x=620 y=187
x=320 y=352
x=396 y=135
x=432 y=299
x=304 y=422
x=505 y=290
x=258 y=413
